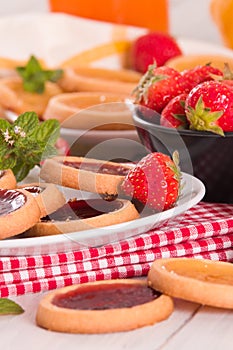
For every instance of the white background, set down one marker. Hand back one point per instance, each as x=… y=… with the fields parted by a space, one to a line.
x=188 y=18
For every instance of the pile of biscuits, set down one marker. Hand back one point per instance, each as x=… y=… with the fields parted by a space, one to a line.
x=29 y=208
x=80 y=86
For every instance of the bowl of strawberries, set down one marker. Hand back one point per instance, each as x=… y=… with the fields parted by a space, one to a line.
x=191 y=112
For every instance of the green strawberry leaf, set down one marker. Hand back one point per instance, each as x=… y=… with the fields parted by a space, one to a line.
x=34 y=76
x=182 y=103
x=9 y=307
x=202 y=119
x=141 y=90
x=183 y=119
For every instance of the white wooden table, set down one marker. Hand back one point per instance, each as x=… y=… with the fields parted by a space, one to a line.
x=190 y=327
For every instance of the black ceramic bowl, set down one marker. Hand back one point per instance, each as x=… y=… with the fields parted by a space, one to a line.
x=205 y=155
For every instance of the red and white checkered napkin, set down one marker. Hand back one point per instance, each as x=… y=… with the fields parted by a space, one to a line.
x=205 y=231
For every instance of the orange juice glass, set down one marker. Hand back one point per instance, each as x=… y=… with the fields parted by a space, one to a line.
x=151 y=14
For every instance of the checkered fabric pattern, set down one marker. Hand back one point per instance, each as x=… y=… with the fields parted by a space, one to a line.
x=204 y=232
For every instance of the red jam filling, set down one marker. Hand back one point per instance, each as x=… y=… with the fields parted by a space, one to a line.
x=34 y=190
x=100 y=168
x=106 y=296
x=10 y=200
x=83 y=209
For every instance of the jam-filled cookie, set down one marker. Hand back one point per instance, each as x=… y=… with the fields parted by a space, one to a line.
x=103 y=307
x=88 y=79
x=18 y=212
x=202 y=281
x=49 y=198
x=79 y=215
x=7 y=179
x=97 y=176
x=13 y=97
x=91 y=110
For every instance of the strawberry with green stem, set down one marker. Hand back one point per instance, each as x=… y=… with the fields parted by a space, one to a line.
x=154 y=181
x=199 y=74
x=173 y=115
x=158 y=86
x=209 y=107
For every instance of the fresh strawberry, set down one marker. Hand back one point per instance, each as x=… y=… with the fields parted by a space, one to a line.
x=173 y=115
x=209 y=107
x=227 y=77
x=154 y=181
x=228 y=82
x=199 y=74
x=153 y=47
x=158 y=86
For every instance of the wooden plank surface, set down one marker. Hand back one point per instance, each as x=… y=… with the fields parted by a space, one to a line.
x=190 y=327
x=21 y=332
x=209 y=328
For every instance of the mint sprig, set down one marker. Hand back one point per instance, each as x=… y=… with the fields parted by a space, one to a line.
x=34 y=76
x=9 y=307
x=26 y=143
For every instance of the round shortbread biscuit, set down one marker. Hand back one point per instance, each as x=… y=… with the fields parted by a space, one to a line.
x=202 y=281
x=49 y=198
x=82 y=178
x=122 y=211
x=7 y=179
x=18 y=212
x=125 y=318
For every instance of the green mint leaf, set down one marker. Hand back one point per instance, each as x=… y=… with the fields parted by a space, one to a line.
x=28 y=122
x=26 y=142
x=49 y=151
x=34 y=86
x=9 y=307
x=34 y=76
x=48 y=131
x=7 y=162
x=3 y=151
x=54 y=75
x=4 y=125
x=22 y=170
x=33 y=66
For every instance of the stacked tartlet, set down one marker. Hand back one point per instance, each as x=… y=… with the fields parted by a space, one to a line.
x=41 y=209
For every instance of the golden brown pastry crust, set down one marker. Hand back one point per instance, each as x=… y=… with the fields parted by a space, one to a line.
x=21 y=219
x=202 y=281
x=54 y=171
x=49 y=200
x=16 y=99
x=7 y=179
x=126 y=213
x=59 y=319
x=99 y=79
x=90 y=110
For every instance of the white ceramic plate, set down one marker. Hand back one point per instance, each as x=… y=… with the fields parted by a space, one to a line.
x=192 y=193
x=101 y=144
